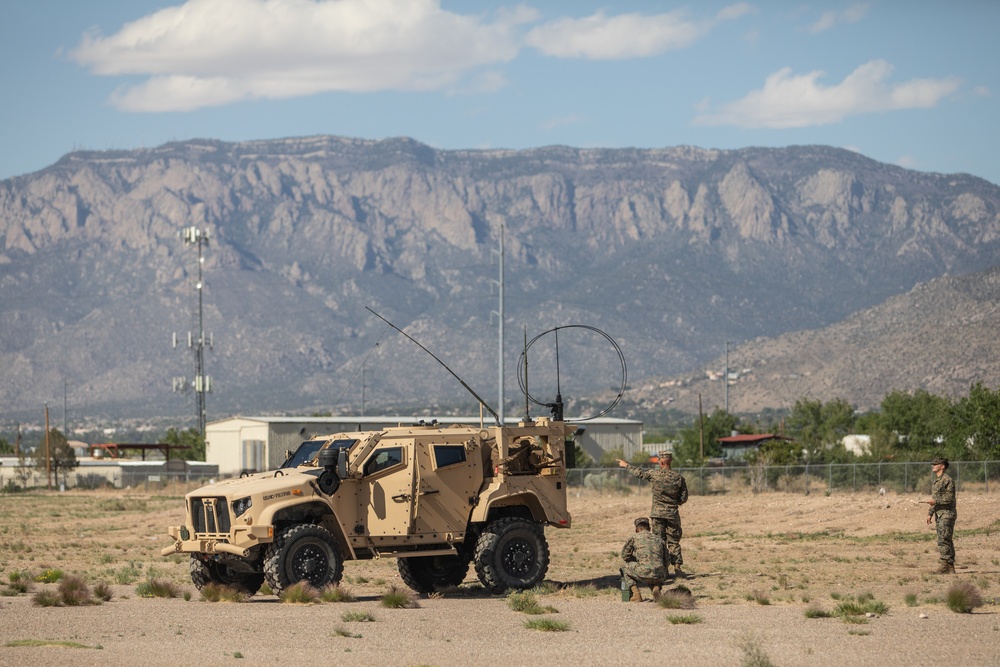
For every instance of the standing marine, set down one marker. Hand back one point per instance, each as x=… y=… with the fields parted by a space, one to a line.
x=942 y=510
x=644 y=554
x=669 y=493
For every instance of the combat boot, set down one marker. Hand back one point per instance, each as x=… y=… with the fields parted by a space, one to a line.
x=945 y=568
x=635 y=596
x=679 y=573
x=656 y=593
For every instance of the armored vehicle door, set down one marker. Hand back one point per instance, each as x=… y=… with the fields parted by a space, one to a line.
x=448 y=482
x=385 y=494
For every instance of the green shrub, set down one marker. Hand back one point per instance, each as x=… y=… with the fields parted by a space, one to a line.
x=816 y=612
x=47 y=598
x=685 y=619
x=344 y=632
x=676 y=599
x=127 y=575
x=337 y=593
x=399 y=598
x=962 y=597
x=546 y=625
x=525 y=602
x=156 y=588
x=49 y=576
x=20 y=582
x=300 y=593
x=73 y=591
x=585 y=591
x=357 y=617
x=102 y=592
x=852 y=610
x=221 y=593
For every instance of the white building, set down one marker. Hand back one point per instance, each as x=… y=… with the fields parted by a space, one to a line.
x=237 y=444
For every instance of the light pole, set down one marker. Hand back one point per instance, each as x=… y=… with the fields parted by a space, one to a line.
x=500 y=316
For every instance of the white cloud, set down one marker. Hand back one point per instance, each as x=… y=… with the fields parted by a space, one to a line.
x=829 y=20
x=213 y=52
x=602 y=37
x=789 y=100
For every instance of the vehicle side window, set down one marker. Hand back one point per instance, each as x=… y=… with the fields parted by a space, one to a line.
x=382 y=459
x=447 y=455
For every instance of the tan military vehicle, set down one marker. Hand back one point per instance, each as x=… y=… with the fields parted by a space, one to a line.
x=435 y=497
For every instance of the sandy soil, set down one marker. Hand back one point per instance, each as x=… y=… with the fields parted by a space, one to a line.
x=794 y=552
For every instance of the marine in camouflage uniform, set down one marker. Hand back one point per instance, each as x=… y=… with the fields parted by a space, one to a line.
x=943 y=512
x=644 y=554
x=669 y=493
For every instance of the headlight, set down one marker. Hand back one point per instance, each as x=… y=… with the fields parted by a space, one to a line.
x=242 y=505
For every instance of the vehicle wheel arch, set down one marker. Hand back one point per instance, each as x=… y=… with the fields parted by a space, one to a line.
x=315 y=513
x=522 y=505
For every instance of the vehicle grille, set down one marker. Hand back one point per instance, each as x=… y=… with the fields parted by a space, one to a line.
x=210 y=516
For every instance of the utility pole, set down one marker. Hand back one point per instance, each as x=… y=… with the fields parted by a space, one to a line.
x=48 y=451
x=725 y=377
x=701 y=433
x=201 y=384
x=65 y=432
x=500 y=316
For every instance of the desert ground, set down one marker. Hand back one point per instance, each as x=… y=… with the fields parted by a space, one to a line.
x=760 y=565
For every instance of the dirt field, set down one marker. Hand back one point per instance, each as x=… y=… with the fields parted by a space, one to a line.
x=758 y=564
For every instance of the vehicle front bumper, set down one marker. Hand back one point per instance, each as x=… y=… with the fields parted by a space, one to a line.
x=237 y=543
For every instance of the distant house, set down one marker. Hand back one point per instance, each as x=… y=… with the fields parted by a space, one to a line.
x=735 y=447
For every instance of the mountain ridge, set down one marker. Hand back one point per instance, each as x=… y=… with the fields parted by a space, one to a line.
x=672 y=251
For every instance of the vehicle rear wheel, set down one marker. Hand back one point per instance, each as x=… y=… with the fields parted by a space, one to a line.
x=219 y=573
x=426 y=574
x=511 y=553
x=303 y=553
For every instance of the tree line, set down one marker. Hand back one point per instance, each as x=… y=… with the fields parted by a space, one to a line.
x=908 y=426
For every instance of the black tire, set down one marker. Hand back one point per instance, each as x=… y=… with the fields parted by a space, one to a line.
x=511 y=553
x=303 y=553
x=426 y=574
x=214 y=572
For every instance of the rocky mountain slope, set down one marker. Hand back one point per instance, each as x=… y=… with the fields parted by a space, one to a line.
x=670 y=251
x=940 y=336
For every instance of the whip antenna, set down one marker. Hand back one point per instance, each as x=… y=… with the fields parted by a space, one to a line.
x=414 y=341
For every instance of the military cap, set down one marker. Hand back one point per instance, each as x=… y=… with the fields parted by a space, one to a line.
x=940 y=460
x=642 y=521
x=665 y=455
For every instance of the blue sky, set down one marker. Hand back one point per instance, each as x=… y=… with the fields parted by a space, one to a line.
x=908 y=83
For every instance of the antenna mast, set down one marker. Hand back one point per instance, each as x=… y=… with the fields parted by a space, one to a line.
x=201 y=384
x=500 y=316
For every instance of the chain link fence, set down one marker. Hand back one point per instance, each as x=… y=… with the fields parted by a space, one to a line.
x=908 y=477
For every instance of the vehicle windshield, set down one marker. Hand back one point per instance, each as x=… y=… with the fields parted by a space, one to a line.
x=307 y=451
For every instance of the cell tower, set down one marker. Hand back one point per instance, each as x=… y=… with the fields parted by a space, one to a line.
x=201 y=384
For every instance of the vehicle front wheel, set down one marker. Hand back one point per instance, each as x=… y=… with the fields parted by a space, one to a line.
x=511 y=553
x=426 y=574
x=219 y=573
x=303 y=553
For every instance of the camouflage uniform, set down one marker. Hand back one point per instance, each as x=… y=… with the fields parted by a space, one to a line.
x=669 y=492
x=943 y=511
x=644 y=555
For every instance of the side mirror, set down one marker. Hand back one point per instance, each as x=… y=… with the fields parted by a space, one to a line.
x=342 y=464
